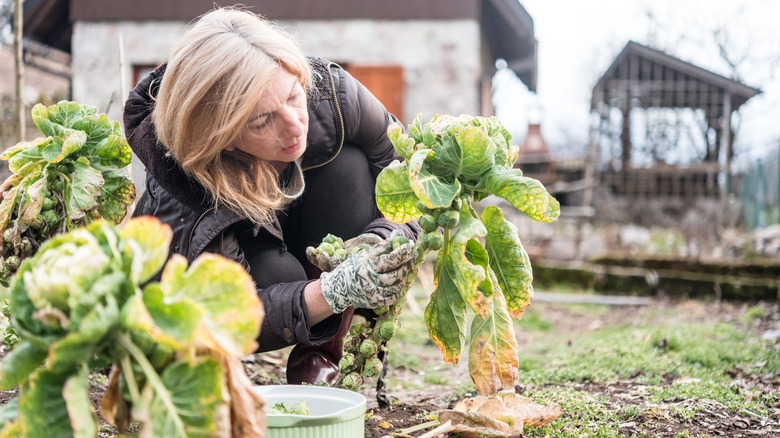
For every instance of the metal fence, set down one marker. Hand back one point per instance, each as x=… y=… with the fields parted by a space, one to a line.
x=759 y=192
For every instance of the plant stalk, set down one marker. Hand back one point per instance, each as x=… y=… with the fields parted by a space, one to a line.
x=154 y=380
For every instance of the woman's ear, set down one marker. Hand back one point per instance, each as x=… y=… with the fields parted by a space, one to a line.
x=230 y=148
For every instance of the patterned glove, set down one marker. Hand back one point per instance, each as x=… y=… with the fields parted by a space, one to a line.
x=372 y=278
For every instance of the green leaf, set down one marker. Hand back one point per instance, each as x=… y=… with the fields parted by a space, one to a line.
x=493 y=361
x=225 y=296
x=28 y=155
x=56 y=120
x=478 y=152
x=196 y=391
x=24 y=145
x=114 y=151
x=414 y=130
x=116 y=195
x=56 y=151
x=509 y=260
x=42 y=409
x=402 y=143
x=170 y=322
x=526 y=194
x=75 y=392
x=97 y=127
x=432 y=190
x=145 y=242
x=394 y=195
x=81 y=196
x=457 y=278
x=19 y=363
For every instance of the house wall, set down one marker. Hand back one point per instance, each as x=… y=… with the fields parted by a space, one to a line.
x=440 y=58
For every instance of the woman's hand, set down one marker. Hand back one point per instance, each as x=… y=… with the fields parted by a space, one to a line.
x=371 y=278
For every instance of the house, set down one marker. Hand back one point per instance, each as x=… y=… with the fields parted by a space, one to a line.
x=417 y=56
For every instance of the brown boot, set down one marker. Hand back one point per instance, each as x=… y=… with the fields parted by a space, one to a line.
x=319 y=363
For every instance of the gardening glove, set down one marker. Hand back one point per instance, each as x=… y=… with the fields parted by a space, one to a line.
x=371 y=278
x=327 y=263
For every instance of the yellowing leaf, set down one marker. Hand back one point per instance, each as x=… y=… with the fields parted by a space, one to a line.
x=457 y=278
x=394 y=195
x=225 y=295
x=509 y=261
x=493 y=358
x=145 y=240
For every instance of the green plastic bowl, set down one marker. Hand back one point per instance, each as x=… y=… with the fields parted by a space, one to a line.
x=335 y=413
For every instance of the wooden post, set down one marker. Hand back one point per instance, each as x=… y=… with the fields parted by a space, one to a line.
x=19 y=70
x=725 y=145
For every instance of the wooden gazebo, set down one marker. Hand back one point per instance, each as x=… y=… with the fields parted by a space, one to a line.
x=642 y=77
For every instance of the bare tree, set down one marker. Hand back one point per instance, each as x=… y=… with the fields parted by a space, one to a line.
x=19 y=68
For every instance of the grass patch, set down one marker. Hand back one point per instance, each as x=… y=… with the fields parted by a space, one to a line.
x=679 y=368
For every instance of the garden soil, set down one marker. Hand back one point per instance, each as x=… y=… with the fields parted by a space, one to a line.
x=431 y=385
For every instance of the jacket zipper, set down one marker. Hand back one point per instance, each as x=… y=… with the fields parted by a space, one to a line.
x=192 y=230
x=338 y=112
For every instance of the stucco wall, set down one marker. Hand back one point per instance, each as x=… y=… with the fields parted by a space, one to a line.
x=440 y=58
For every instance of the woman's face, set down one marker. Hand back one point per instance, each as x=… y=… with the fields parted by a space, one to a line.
x=276 y=131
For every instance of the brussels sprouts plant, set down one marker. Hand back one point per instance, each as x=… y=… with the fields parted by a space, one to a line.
x=67 y=178
x=87 y=300
x=450 y=163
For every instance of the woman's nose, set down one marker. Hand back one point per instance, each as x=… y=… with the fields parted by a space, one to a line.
x=292 y=123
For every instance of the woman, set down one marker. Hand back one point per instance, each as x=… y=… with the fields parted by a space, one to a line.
x=255 y=152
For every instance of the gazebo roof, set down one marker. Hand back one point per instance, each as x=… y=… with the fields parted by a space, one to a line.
x=655 y=79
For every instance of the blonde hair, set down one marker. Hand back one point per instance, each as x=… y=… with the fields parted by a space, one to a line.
x=214 y=78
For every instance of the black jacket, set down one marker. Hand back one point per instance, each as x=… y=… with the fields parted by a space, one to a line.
x=342 y=111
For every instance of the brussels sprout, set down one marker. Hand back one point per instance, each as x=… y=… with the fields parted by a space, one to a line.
x=13 y=262
x=336 y=241
x=52 y=218
x=161 y=357
x=143 y=340
x=373 y=367
x=398 y=241
x=387 y=329
x=424 y=208
x=432 y=241
x=26 y=247
x=428 y=223
x=449 y=219
x=8 y=235
x=300 y=408
x=352 y=381
x=58 y=185
x=341 y=254
x=368 y=348
x=277 y=409
x=347 y=362
x=456 y=204
x=48 y=203
x=327 y=248
x=39 y=223
x=379 y=311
